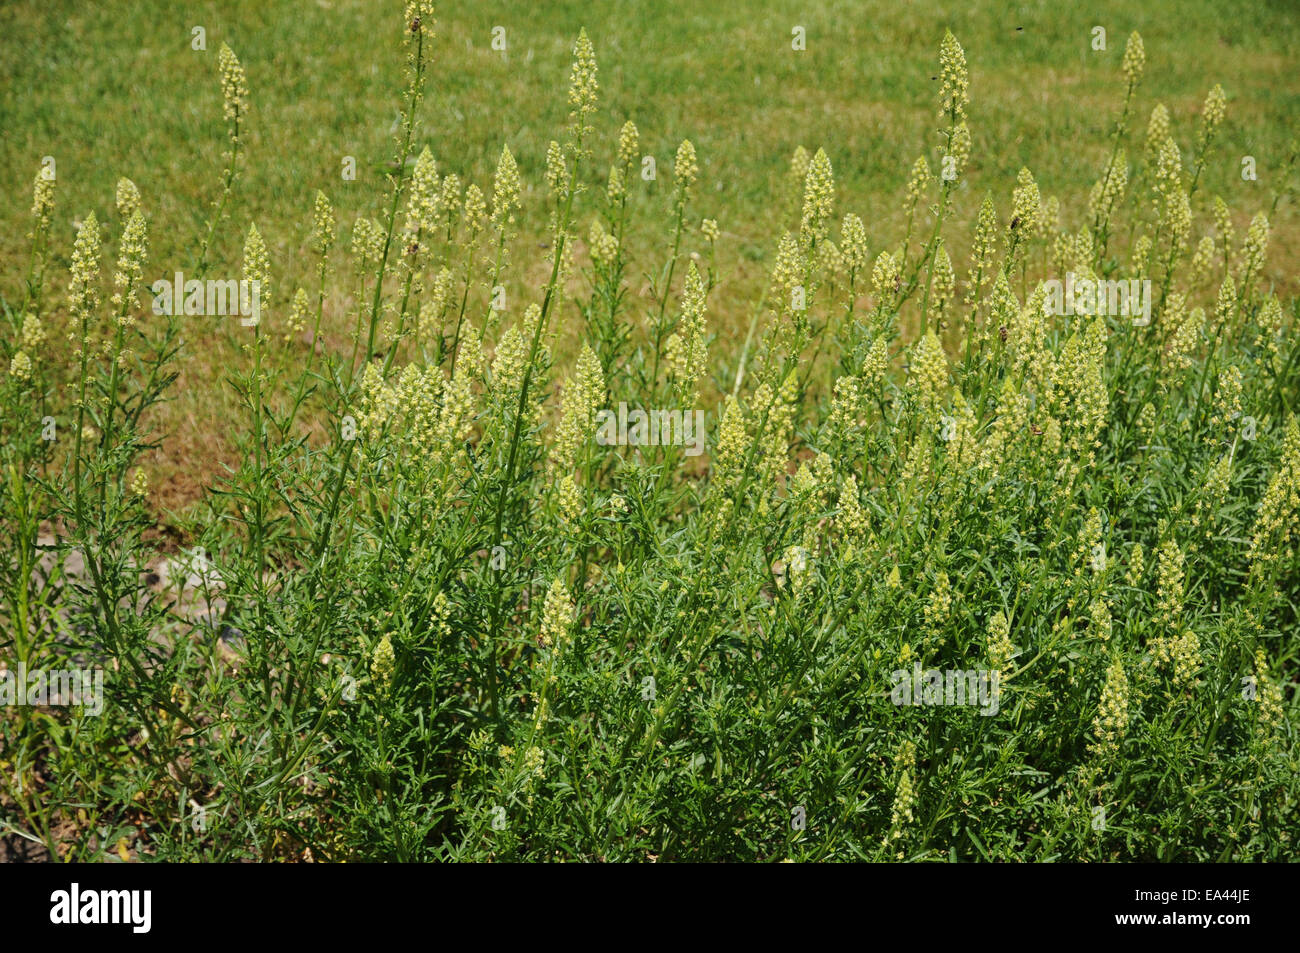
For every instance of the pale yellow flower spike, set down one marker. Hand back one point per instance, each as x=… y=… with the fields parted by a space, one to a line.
x=234 y=88
x=422 y=208
x=127 y=197
x=581 y=399
x=953 y=80
x=582 y=86
x=42 y=200
x=628 y=142
x=818 y=199
x=322 y=231
x=505 y=190
x=557 y=616
x=1111 y=722
x=140 y=483
x=20 y=366
x=257 y=265
x=1135 y=59
x=853 y=243
x=83 y=290
x=130 y=266
x=383 y=663
x=686 y=349
x=685 y=171
x=732 y=444
x=997 y=645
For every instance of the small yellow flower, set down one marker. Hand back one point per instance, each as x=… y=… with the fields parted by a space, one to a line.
x=475 y=211
x=1025 y=201
x=884 y=277
x=557 y=615
x=1108 y=190
x=505 y=188
x=1254 y=249
x=127 y=198
x=938 y=606
x=953 y=80
x=945 y=280
x=798 y=173
x=846 y=406
x=904 y=792
x=43 y=199
x=33 y=333
x=1111 y=721
x=132 y=253
x=1223 y=223
x=1135 y=59
x=1185 y=653
x=732 y=444
x=1268 y=695
x=794 y=568
x=998 y=644
x=297 y=315
x=367 y=241
x=1099 y=618
x=234 y=87
x=1279 y=510
x=557 y=172
x=686 y=350
x=140 y=483
x=422 y=210
x=571 y=499
x=929 y=379
x=1136 y=565
x=1169 y=588
x=20 y=366
x=852 y=518
x=959 y=148
x=984 y=249
x=919 y=181
x=582 y=84
x=257 y=266
x=322 y=231
x=818 y=199
x=83 y=290
x=579 y=403
x=1202 y=259
x=383 y=663
x=441 y=615
x=685 y=169
x=1216 y=107
x=534 y=762
x=449 y=194
x=616 y=189
x=628 y=142
x=853 y=243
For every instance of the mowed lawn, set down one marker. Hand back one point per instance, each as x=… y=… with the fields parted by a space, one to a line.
x=114 y=89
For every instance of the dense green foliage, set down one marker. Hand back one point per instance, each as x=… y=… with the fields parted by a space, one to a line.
x=441 y=620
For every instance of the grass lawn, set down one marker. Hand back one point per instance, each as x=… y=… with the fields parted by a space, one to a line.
x=114 y=89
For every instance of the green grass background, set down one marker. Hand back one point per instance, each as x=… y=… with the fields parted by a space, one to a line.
x=112 y=89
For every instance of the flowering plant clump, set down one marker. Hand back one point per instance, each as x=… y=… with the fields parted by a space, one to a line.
x=428 y=615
